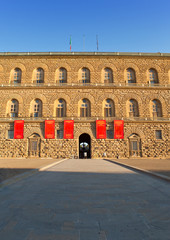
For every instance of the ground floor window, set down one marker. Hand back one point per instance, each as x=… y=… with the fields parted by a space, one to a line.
x=34 y=145
x=59 y=134
x=109 y=134
x=10 y=134
x=135 y=145
x=158 y=134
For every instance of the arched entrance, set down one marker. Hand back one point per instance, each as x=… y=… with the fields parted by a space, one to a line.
x=84 y=146
x=34 y=142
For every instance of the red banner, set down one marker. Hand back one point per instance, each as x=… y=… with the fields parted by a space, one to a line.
x=118 y=129
x=68 y=129
x=50 y=129
x=100 y=129
x=18 y=129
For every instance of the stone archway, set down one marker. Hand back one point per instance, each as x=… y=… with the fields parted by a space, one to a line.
x=34 y=145
x=84 y=146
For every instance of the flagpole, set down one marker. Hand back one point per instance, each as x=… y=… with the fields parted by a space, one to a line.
x=97 y=42
x=70 y=43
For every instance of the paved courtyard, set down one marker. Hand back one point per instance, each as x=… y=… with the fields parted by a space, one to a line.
x=85 y=199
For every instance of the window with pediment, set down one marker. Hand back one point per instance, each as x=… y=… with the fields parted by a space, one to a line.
x=135 y=149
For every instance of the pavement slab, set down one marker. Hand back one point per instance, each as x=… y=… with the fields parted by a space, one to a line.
x=85 y=199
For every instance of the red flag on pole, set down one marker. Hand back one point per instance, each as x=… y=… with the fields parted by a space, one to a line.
x=50 y=129
x=68 y=129
x=18 y=129
x=100 y=129
x=118 y=129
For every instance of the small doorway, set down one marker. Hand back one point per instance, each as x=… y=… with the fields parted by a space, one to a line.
x=34 y=142
x=84 y=146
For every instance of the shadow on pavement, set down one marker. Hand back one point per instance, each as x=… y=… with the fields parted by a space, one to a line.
x=6 y=173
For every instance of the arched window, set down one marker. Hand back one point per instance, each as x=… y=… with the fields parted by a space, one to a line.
x=156 y=108
x=130 y=75
x=39 y=76
x=62 y=75
x=13 y=108
x=84 y=76
x=153 y=76
x=133 y=108
x=109 y=110
x=61 y=108
x=37 y=108
x=84 y=108
x=108 y=75
x=16 y=76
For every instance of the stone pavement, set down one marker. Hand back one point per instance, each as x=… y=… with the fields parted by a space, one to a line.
x=85 y=199
x=158 y=166
x=14 y=166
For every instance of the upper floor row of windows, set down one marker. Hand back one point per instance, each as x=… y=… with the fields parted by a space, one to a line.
x=84 y=108
x=107 y=76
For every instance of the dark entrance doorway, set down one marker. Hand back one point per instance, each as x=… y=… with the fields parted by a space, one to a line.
x=84 y=146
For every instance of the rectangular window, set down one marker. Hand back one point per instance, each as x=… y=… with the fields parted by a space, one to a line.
x=83 y=112
x=109 y=134
x=134 y=145
x=158 y=134
x=10 y=134
x=108 y=112
x=13 y=115
x=60 y=112
x=34 y=146
x=36 y=114
x=60 y=134
x=61 y=81
x=61 y=76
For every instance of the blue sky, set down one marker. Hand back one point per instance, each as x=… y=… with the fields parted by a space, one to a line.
x=121 y=25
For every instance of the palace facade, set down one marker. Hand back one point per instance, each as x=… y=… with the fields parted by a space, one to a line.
x=85 y=87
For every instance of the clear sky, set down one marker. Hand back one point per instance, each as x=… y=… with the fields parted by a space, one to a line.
x=121 y=25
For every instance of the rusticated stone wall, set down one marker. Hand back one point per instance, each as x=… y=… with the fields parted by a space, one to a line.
x=144 y=126
x=63 y=148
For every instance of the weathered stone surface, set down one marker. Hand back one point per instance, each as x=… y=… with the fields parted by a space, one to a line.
x=144 y=125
